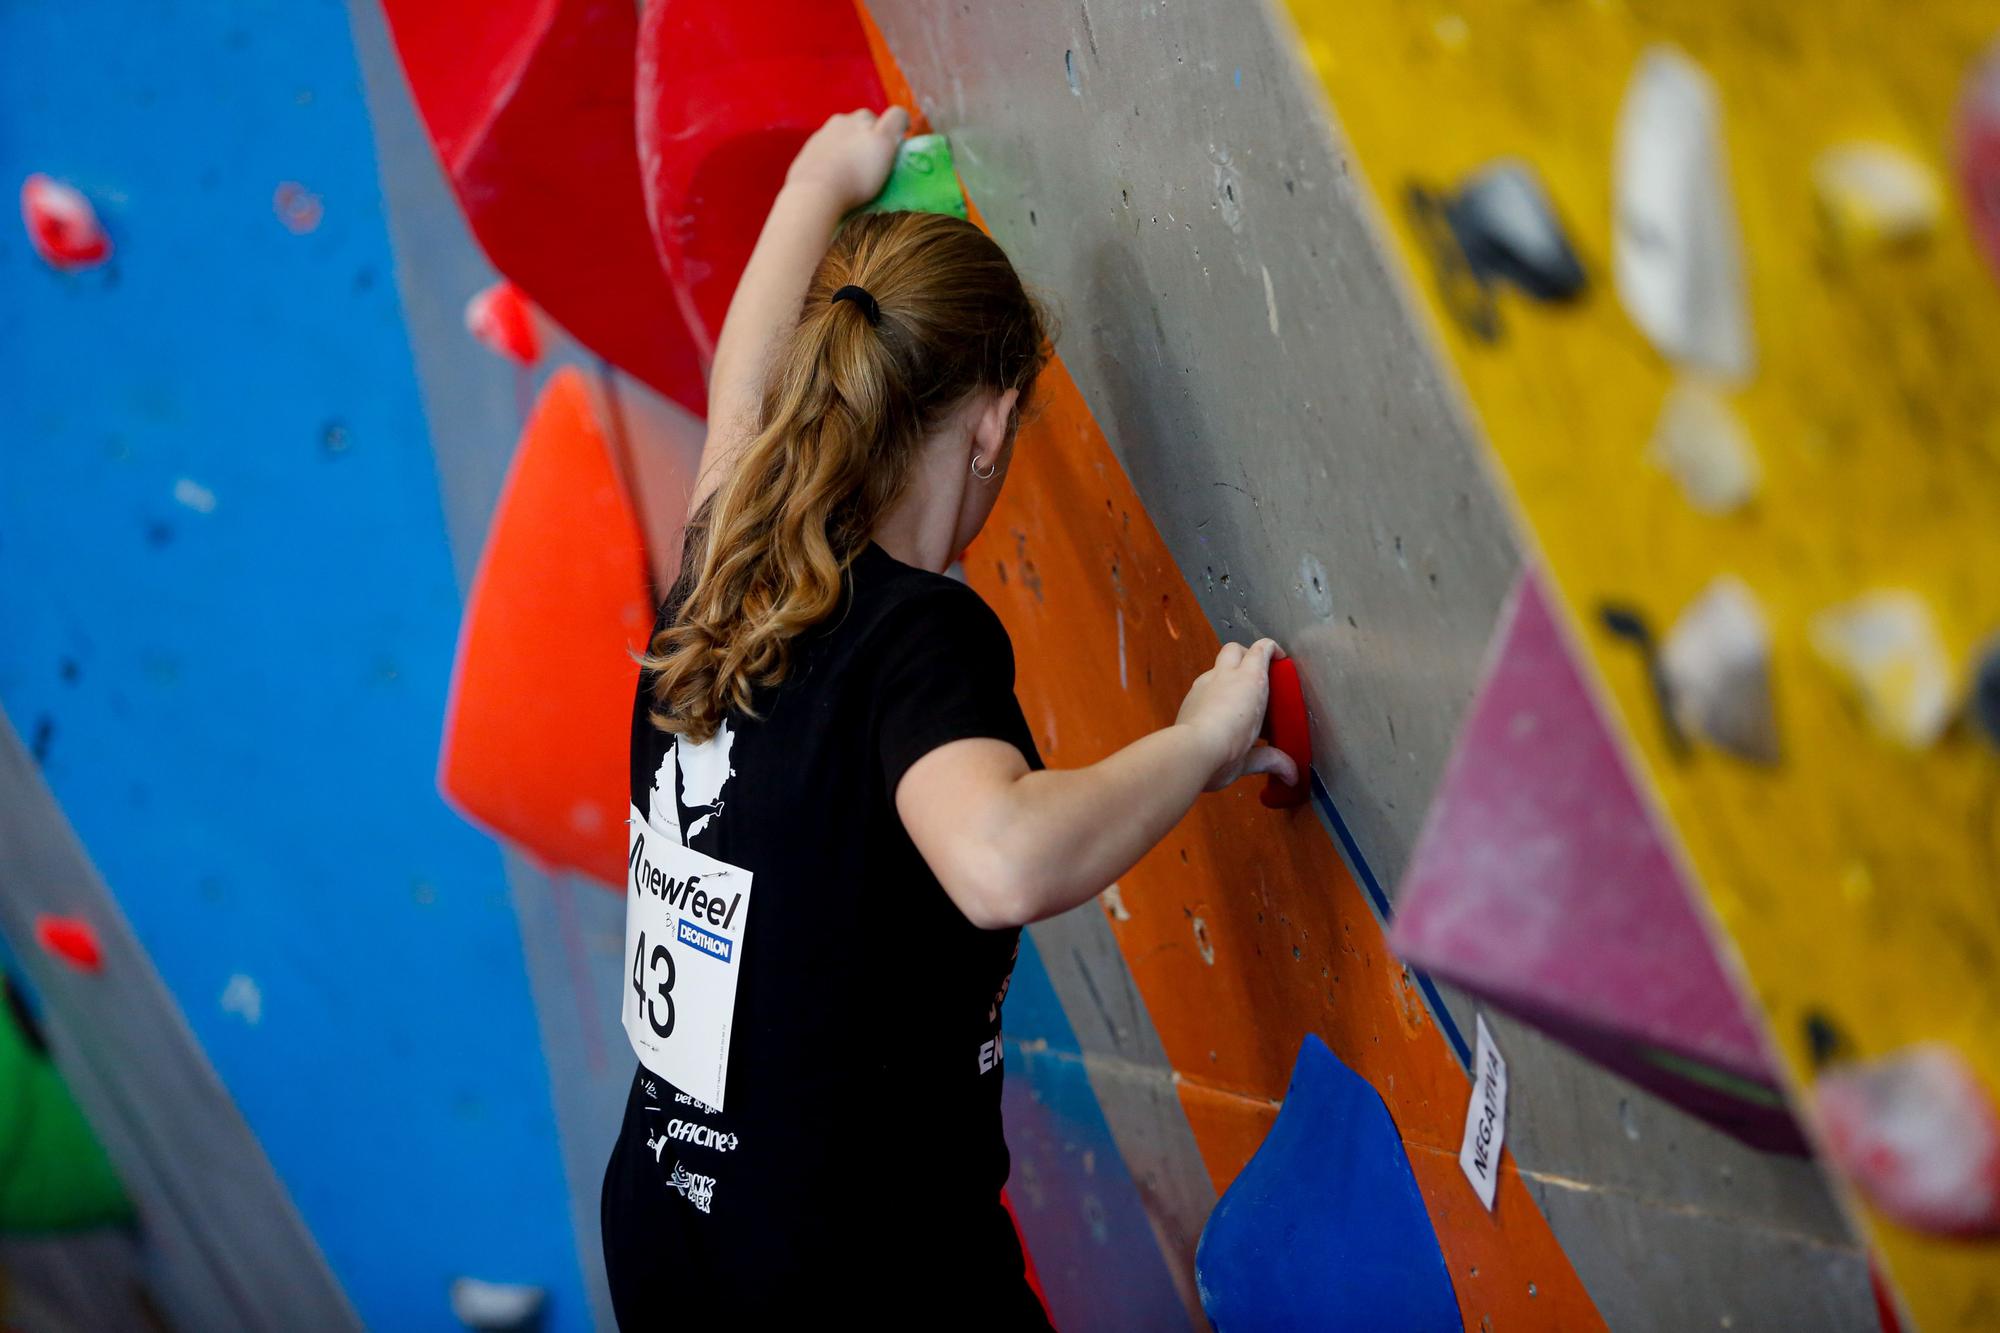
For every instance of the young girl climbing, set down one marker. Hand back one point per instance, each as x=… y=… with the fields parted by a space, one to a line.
x=839 y=819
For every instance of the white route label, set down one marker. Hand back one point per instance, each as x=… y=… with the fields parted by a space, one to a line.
x=1485 y=1117
x=685 y=918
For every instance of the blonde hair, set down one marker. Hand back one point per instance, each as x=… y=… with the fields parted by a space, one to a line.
x=849 y=403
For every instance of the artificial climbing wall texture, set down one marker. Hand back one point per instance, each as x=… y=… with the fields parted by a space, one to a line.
x=1243 y=911
x=228 y=604
x=1070 y=559
x=1856 y=878
x=1168 y=177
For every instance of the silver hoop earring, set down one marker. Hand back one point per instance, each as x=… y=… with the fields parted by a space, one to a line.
x=987 y=475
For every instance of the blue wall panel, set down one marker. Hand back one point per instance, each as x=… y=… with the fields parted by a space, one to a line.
x=1078 y=1207
x=226 y=619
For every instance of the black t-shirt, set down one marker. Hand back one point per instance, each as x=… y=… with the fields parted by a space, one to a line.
x=859 y=1156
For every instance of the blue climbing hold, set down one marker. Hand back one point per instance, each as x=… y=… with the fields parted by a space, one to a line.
x=1325 y=1229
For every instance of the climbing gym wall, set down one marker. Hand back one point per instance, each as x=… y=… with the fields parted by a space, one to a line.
x=300 y=1025
x=1760 y=438
x=1302 y=395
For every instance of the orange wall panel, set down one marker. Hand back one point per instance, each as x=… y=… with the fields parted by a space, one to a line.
x=1244 y=929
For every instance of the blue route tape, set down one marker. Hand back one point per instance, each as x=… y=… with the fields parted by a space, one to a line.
x=1366 y=874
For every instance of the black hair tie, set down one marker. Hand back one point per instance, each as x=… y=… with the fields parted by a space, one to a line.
x=861 y=298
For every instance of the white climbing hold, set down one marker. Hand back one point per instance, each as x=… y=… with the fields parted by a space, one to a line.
x=194 y=495
x=1717 y=662
x=243 y=998
x=1700 y=441
x=498 y=1306
x=1917 y=1134
x=1676 y=252
x=1114 y=904
x=1888 y=648
x=1873 y=196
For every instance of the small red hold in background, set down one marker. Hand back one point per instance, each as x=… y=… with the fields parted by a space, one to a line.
x=297 y=207
x=501 y=317
x=1978 y=134
x=1918 y=1135
x=62 y=225
x=71 y=939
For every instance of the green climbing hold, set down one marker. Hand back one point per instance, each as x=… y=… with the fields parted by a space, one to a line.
x=53 y=1175
x=922 y=181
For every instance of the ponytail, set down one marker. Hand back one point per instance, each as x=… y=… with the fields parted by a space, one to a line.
x=929 y=311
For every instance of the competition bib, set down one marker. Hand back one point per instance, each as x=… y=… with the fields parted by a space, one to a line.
x=685 y=918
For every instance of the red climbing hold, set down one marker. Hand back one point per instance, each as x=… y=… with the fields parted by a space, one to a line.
x=62 y=225
x=530 y=104
x=501 y=317
x=1978 y=134
x=726 y=94
x=536 y=728
x=1285 y=727
x=1885 y=1304
x=1918 y=1135
x=71 y=939
x=297 y=207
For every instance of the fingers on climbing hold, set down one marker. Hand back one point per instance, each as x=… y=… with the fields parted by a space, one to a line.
x=62 y=226
x=502 y=318
x=922 y=180
x=1918 y=1135
x=71 y=939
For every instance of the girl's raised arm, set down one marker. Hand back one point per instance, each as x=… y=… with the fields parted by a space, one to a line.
x=841 y=167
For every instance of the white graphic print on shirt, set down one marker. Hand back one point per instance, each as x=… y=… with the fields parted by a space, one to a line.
x=700 y=1190
x=689 y=784
x=686 y=919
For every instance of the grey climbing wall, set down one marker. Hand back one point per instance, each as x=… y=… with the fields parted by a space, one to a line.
x=1166 y=175
x=227 y=1247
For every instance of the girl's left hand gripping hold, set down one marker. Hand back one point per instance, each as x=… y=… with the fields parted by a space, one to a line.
x=850 y=156
x=841 y=167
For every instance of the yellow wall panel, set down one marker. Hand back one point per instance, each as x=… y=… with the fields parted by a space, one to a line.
x=1857 y=880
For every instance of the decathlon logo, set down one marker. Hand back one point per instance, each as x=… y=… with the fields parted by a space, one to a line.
x=695 y=937
x=700 y=1135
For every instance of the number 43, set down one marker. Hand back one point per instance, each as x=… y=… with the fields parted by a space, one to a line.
x=661 y=954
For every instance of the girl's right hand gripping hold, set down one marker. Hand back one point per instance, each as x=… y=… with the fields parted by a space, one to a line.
x=1226 y=706
x=1012 y=846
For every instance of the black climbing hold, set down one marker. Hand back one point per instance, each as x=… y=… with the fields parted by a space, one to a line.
x=1497 y=227
x=1467 y=298
x=1629 y=624
x=22 y=1011
x=1510 y=233
x=43 y=738
x=1985 y=707
x=1825 y=1042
